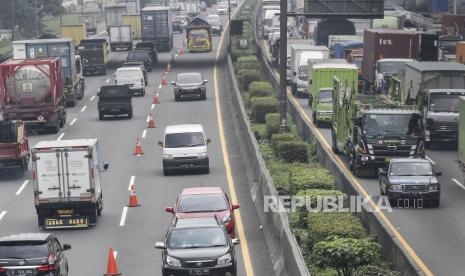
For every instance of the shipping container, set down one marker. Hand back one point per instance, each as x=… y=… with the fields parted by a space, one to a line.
x=453 y=24
x=131 y=5
x=133 y=20
x=120 y=37
x=340 y=48
x=460 y=52
x=462 y=132
x=429 y=47
x=114 y=15
x=156 y=27
x=332 y=26
x=152 y=3
x=75 y=32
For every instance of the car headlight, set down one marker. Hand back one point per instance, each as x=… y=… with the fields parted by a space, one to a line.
x=396 y=187
x=173 y=261
x=433 y=186
x=202 y=155
x=225 y=259
x=167 y=156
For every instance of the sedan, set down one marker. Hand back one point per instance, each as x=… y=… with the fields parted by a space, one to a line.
x=222 y=9
x=189 y=84
x=206 y=201
x=410 y=178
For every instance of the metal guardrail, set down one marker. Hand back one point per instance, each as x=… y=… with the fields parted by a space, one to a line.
x=6 y=56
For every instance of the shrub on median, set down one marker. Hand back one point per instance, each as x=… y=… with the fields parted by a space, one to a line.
x=283 y=137
x=260 y=89
x=292 y=151
x=259 y=131
x=246 y=76
x=311 y=176
x=260 y=106
x=248 y=62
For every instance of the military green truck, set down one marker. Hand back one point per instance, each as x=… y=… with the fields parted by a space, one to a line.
x=372 y=129
x=321 y=82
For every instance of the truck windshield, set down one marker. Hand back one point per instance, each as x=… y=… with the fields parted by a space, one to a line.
x=448 y=46
x=391 y=68
x=444 y=102
x=185 y=139
x=325 y=96
x=410 y=169
x=392 y=124
x=358 y=61
x=303 y=74
x=198 y=34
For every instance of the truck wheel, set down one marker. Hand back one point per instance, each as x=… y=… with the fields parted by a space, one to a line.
x=40 y=221
x=55 y=129
x=143 y=92
x=94 y=215
x=165 y=172
x=100 y=116
x=428 y=144
x=203 y=96
x=130 y=114
x=435 y=203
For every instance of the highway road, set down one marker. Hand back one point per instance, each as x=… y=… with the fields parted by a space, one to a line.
x=132 y=232
x=436 y=235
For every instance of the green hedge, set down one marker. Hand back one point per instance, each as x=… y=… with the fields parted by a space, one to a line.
x=311 y=176
x=260 y=106
x=259 y=131
x=272 y=123
x=322 y=225
x=246 y=76
x=260 y=89
x=248 y=62
x=282 y=137
x=292 y=151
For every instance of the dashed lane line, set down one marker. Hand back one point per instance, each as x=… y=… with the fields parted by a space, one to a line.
x=123 y=216
x=22 y=187
x=92 y=98
x=61 y=136
x=73 y=121
x=148 y=118
x=458 y=183
x=144 y=133
x=2 y=214
x=159 y=87
x=131 y=182
x=430 y=160
x=84 y=108
x=152 y=107
x=108 y=80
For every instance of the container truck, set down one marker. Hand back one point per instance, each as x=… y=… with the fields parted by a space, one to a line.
x=372 y=129
x=192 y=9
x=157 y=28
x=133 y=20
x=90 y=22
x=333 y=39
x=94 y=56
x=385 y=53
x=14 y=145
x=31 y=91
x=76 y=32
x=332 y=26
x=453 y=24
x=71 y=65
x=343 y=47
x=67 y=184
x=198 y=34
x=114 y=15
x=120 y=37
x=447 y=47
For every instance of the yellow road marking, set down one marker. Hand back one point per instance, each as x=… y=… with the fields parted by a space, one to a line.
x=358 y=185
x=224 y=149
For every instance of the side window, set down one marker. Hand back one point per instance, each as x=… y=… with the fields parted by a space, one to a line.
x=58 y=245
x=52 y=247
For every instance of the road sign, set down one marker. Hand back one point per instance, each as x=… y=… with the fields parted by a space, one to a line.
x=345 y=8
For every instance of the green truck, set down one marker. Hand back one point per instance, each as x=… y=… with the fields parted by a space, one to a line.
x=320 y=85
x=372 y=129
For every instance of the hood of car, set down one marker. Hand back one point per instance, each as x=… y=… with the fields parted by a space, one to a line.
x=200 y=254
x=412 y=179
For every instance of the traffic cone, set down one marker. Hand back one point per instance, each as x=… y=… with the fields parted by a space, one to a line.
x=133 y=197
x=164 y=81
x=181 y=51
x=111 y=267
x=168 y=67
x=139 y=149
x=151 y=121
x=156 y=100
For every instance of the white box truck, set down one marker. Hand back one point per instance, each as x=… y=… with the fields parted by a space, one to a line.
x=121 y=37
x=66 y=181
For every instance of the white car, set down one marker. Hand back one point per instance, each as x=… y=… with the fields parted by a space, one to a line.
x=215 y=21
x=132 y=77
x=222 y=9
x=185 y=148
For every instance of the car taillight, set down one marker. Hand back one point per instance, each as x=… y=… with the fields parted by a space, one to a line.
x=49 y=267
x=3 y=269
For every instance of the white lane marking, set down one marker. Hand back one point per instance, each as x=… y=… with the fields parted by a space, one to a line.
x=148 y=118
x=131 y=182
x=430 y=160
x=96 y=35
x=152 y=107
x=2 y=214
x=22 y=187
x=176 y=55
x=458 y=183
x=123 y=216
x=92 y=98
x=144 y=133
x=159 y=87
x=61 y=136
x=73 y=121
x=108 y=80
x=84 y=108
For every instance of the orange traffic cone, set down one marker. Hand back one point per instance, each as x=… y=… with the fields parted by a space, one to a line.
x=168 y=67
x=151 y=121
x=181 y=51
x=139 y=149
x=111 y=267
x=164 y=81
x=156 y=100
x=133 y=197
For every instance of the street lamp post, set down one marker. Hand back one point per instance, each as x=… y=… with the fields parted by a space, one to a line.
x=282 y=66
x=229 y=24
x=13 y=26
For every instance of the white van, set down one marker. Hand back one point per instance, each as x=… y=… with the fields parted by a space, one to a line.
x=185 y=147
x=132 y=77
x=268 y=22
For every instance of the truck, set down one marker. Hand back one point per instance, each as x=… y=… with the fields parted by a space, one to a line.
x=120 y=37
x=71 y=64
x=31 y=91
x=90 y=22
x=198 y=35
x=385 y=54
x=14 y=145
x=133 y=20
x=114 y=15
x=332 y=26
x=66 y=182
x=388 y=22
x=429 y=47
x=342 y=48
x=192 y=9
x=333 y=39
x=76 y=32
x=157 y=28
x=321 y=88
x=355 y=56
x=453 y=24
x=300 y=54
x=447 y=47
x=372 y=129
x=461 y=147
x=435 y=87
x=94 y=56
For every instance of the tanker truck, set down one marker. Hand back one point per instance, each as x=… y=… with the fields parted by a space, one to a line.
x=31 y=91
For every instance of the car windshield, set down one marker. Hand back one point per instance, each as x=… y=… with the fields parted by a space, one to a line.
x=444 y=102
x=202 y=203
x=448 y=45
x=114 y=91
x=23 y=250
x=325 y=96
x=185 y=139
x=190 y=78
x=411 y=169
x=138 y=55
x=392 y=124
x=391 y=68
x=202 y=237
x=127 y=74
x=303 y=73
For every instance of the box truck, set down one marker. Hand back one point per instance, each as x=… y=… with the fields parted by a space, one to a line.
x=157 y=28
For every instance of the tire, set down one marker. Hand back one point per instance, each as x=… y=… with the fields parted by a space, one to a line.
x=293 y=89
x=93 y=217
x=100 y=208
x=435 y=203
x=203 y=97
x=55 y=129
x=40 y=221
x=143 y=92
x=130 y=114
x=428 y=144
x=101 y=116
x=62 y=123
x=165 y=172
x=25 y=163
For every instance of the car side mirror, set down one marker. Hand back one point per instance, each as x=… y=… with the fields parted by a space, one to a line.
x=209 y=141
x=381 y=172
x=235 y=242
x=235 y=206
x=160 y=245
x=205 y=81
x=169 y=210
x=160 y=143
x=66 y=247
x=438 y=173
x=105 y=166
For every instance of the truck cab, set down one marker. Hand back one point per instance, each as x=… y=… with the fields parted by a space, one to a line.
x=386 y=68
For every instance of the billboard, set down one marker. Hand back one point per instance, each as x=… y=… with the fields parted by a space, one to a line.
x=345 y=8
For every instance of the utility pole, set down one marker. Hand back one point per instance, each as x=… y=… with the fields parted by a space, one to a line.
x=229 y=24
x=282 y=66
x=61 y=13
x=13 y=28
x=36 y=19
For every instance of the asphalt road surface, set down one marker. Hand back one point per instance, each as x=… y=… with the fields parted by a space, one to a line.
x=133 y=232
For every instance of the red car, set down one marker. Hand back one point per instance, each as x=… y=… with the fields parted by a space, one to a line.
x=206 y=201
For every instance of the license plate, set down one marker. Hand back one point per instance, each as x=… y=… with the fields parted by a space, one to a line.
x=22 y=272
x=184 y=166
x=67 y=222
x=199 y=271
x=114 y=110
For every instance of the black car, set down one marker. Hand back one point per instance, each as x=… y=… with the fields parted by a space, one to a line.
x=189 y=84
x=198 y=246
x=141 y=56
x=37 y=254
x=138 y=64
x=150 y=47
x=177 y=26
x=410 y=178
x=114 y=100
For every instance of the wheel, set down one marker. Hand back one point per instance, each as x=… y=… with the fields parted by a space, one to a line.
x=203 y=96
x=94 y=215
x=435 y=203
x=165 y=172
x=293 y=89
x=62 y=123
x=100 y=208
x=40 y=221
x=25 y=163
x=143 y=92
x=101 y=116
x=130 y=114
x=314 y=117
x=428 y=144
x=55 y=129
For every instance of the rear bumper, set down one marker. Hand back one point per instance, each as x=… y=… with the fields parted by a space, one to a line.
x=190 y=164
x=92 y=69
x=66 y=214
x=114 y=110
x=30 y=117
x=11 y=163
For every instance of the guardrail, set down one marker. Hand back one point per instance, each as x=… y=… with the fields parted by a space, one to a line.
x=6 y=56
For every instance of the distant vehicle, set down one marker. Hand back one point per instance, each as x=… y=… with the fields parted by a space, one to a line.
x=142 y=56
x=150 y=48
x=405 y=178
x=189 y=84
x=215 y=21
x=203 y=6
x=206 y=202
x=177 y=26
x=192 y=9
x=34 y=251
x=157 y=27
x=138 y=64
x=132 y=77
x=14 y=145
x=222 y=9
x=268 y=21
x=74 y=201
x=183 y=18
x=185 y=147
x=94 y=55
x=114 y=100
x=120 y=37
x=198 y=34
x=332 y=26
x=198 y=246
x=233 y=3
